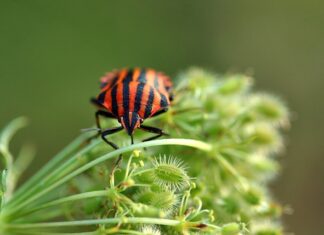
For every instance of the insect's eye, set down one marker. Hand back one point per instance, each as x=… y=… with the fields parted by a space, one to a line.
x=141 y=120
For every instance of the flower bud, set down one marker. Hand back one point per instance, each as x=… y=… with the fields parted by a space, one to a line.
x=235 y=84
x=231 y=229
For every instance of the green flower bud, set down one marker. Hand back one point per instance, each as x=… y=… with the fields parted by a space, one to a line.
x=264 y=136
x=252 y=197
x=136 y=153
x=269 y=231
x=235 y=84
x=269 y=108
x=231 y=229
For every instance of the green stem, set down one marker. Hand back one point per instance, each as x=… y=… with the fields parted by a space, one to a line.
x=242 y=181
x=5 y=137
x=184 y=142
x=51 y=164
x=132 y=220
x=49 y=233
x=142 y=172
x=128 y=167
x=124 y=231
x=125 y=220
x=40 y=179
x=100 y=193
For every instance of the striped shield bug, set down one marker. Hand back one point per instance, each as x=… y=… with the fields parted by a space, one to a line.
x=131 y=96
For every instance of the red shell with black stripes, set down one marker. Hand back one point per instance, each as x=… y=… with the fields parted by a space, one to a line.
x=132 y=95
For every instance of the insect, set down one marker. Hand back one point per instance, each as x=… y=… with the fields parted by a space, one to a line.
x=131 y=96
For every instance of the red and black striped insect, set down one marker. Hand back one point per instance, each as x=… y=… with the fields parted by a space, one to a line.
x=131 y=96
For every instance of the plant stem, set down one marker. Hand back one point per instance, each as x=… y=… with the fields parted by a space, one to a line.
x=244 y=184
x=49 y=233
x=125 y=220
x=51 y=164
x=184 y=142
x=40 y=179
x=5 y=137
x=124 y=231
x=99 y=193
x=142 y=172
x=128 y=167
x=132 y=220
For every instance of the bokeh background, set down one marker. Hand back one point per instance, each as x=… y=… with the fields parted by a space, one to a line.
x=53 y=52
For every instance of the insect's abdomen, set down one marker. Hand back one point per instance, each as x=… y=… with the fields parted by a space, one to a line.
x=139 y=90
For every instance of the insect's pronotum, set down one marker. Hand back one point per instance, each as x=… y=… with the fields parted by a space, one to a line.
x=131 y=96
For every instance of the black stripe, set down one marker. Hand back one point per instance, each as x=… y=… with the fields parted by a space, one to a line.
x=103 y=84
x=114 y=101
x=148 y=108
x=126 y=121
x=164 y=101
x=138 y=97
x=142 y=76
x=114 y=81
x=101 y=97
x=126 y=82
x=134 y=120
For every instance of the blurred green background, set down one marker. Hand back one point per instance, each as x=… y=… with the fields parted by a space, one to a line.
x=52 y=54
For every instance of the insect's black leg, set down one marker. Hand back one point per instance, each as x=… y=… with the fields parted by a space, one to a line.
x=96 y=103
x=97 y=115
x=106 y=132
x=155 y=130
x=104 y=114
x=132 y=139
x=103 y=136
x=160 y=112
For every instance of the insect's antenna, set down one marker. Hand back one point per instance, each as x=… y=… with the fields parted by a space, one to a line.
x=90 y=129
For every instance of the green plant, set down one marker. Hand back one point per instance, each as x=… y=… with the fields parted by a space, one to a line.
x=209 y=178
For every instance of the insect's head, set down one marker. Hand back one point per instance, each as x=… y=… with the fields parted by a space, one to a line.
x=130 y=121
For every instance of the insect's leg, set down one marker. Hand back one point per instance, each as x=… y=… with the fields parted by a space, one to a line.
x=97 y=115
x=104 y=133
x=155 y=130
x=132 y=139
x=96 y=103
x=104 y=114
x=110 y=131
x=163 y=110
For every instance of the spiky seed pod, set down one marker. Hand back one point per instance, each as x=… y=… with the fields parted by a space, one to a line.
x=144 y=196
x=166 y=201
x=170 y=173
x=150 y=230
